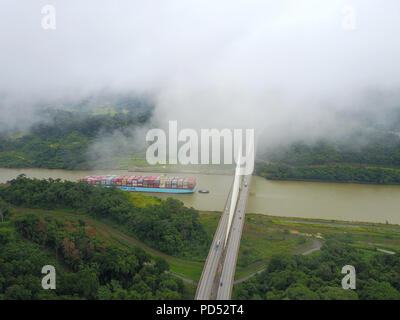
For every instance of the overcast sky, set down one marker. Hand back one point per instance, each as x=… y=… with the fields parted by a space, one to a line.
x=282 y=66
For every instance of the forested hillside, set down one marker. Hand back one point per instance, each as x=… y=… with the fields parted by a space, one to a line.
x=380 y=148
x=168 y=226
x=319 y=276
x=375 y=160
x=337 y=173
x=87 y=266
x=63 y=138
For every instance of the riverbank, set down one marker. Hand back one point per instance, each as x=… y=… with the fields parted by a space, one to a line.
x=330 y=181
x=340 y=173
x=172 y=169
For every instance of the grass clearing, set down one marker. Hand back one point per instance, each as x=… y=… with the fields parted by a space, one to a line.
x=209 y=220
x=141 y=200
x=258 y=248
x=190 y=272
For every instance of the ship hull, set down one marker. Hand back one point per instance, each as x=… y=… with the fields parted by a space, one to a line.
x=155 y=190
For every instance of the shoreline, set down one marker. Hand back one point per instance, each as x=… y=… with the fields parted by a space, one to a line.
x=330 y=181
x=222 y=172
x=331 y=222
x=318 y=221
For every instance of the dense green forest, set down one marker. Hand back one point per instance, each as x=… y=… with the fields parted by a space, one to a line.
x=376 y=160
x=318 y=276
x=87 y=266
x=338 y=173
x=63 y=137
x=382 y=149
x=168 y=226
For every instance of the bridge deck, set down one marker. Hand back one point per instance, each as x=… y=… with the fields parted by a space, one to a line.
x=209 y=285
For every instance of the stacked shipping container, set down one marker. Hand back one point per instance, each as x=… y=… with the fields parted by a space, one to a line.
x=136 y=182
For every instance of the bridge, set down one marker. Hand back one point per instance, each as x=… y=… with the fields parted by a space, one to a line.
x=218 y=274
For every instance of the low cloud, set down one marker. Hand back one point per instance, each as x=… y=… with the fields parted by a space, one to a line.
x=289 y=69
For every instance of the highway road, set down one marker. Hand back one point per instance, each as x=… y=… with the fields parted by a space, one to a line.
x=227 y=276
x=206 y=283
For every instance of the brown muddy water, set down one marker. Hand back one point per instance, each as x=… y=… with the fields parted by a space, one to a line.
x=339 y=201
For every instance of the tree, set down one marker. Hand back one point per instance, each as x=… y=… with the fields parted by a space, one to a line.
x=379 y=291
x=161 y=265
x=88 y=283
x=6 y=235
x=17 y=292
x=104 y=293
x=300 y=292
x=337 y=293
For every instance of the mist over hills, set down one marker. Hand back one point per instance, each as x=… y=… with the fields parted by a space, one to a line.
x=317 y=81
x=70 y=135
x=290 y=70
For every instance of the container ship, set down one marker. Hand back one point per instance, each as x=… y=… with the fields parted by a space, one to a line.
x=134 y=183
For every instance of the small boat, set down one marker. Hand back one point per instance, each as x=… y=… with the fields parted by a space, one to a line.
x=203 y=191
